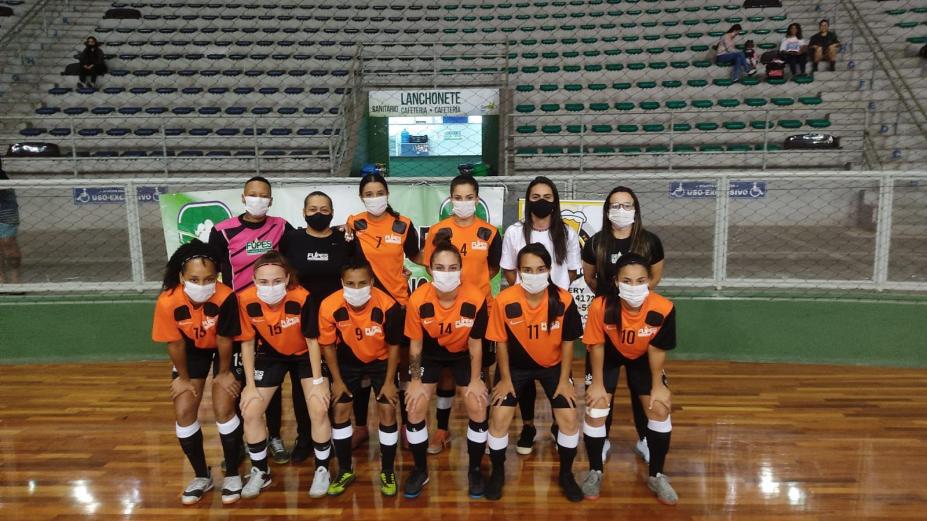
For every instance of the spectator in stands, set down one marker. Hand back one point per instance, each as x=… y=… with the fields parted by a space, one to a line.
x=794 y=49
x=727 y=53
x=823 y=45
x=92 y=63
x=10 y=256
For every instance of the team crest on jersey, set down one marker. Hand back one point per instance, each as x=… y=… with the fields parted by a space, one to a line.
x=392 y=239
x=615 y=257
x=208 y=323
x=289 y=321
x=553 y=326
x=373 y=330
x=479 y=245
x=464 y=323
x=258 y=247
x=646 y=331
x=316 y=256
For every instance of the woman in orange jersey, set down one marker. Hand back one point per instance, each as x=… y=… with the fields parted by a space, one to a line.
x=445 y=323
x=534 y=324
x=277 y=334
x=198 y=318
x=480 y=246
x=633 y=327
x=359 y=330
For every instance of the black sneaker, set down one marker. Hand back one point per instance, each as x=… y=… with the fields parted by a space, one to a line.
x=415 y=483
x=525 y=443
x=493 y=491
x=477 y=486
x=301 y=451
x=570 y=487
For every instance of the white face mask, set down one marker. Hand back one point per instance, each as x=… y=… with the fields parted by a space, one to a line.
x=445 y=281
x=620 y=217
x=464 y=209
x=534 y=282
x=633 y=295
x=356 y=297
x=257 y=206
x=376 y=205
x=272 y=294
x=199 y=293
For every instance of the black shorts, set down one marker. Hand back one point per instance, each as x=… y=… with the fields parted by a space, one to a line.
x=434 y=363
x=353 y=372
x=549 y=377
x=200 y=360
x=637 y=372
x=271 y=368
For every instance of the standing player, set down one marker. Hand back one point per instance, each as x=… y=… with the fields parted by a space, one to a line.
x=534 y=324
x=632 y=327
x=198 y=319
x=445 y=323
x=542 y=225
x=359 y=330
x=480 y=246
x=240 y=241
x=277 y=333
x=622 y=233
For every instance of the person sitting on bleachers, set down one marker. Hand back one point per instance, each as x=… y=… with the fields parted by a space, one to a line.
x=92 y=64
x=793 y=50
x=728 y=53
x=823 y=45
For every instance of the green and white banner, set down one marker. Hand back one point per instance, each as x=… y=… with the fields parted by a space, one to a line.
x=189 y=215
x=440 y=102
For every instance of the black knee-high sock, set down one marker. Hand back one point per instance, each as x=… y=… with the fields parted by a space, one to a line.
x=526 y=402
x=274 y=413
x=658 y=443
x=258 y=453
x=361 y=406
x=403 y=413
x=640 y=417
x=417 y=434
x=594 y=438
x=341 y=434
x=568 y=454
x=192 y=445
x=323 y=453
x=497 y=448
x=445 y=401
x=476 y=442
x=230 y=434
x=389 y=440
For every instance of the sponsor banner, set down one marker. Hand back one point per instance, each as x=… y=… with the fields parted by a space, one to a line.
x=439 y=102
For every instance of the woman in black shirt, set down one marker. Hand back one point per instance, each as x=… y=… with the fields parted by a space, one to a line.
x=622 y=233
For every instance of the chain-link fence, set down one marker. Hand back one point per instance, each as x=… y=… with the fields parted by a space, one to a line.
x=753 y=234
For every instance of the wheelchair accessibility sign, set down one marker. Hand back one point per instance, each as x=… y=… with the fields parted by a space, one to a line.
x=117 y=195
x=708 y=190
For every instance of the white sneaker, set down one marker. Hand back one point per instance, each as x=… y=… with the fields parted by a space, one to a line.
x=258 y=481
x=607 y=446
x=320 y=483
x=195 y=490
x=661 y=487
x=642 y=450
x=231 y=489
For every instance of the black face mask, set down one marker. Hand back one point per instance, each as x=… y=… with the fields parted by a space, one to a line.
x=319 y=221
x=541 y=208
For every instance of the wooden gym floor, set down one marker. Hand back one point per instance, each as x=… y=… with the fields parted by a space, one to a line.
x=750 y=441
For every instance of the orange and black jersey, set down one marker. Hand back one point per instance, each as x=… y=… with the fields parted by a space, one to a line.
x=446 y=329
x=654 y=325
x=367 y=331
x=176 y=318
x=284 y=328
x=385 y=244
x=479 y=245
x=531 y=343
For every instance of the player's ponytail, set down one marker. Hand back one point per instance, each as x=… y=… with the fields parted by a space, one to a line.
x=613 y=296
x=442 y=243
x=194 y=249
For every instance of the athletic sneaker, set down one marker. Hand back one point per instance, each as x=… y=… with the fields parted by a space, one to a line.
x=570 y=488
x=493 y=491
x=231 y=489
x=660 y=485
x=438 y=441
x=278 y=451
x=259 y=480
x=642 y=450
x=302 y=449
x=525 y=443
x=195 y=490
x=476 y=485
x=320 y=482
x=388 y=483
x=337 y=487
x=415 y=483
x=607 y=446
x=592 y=485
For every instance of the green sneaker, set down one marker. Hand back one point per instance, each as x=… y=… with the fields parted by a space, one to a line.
x=388 y=483
x=341 y=483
